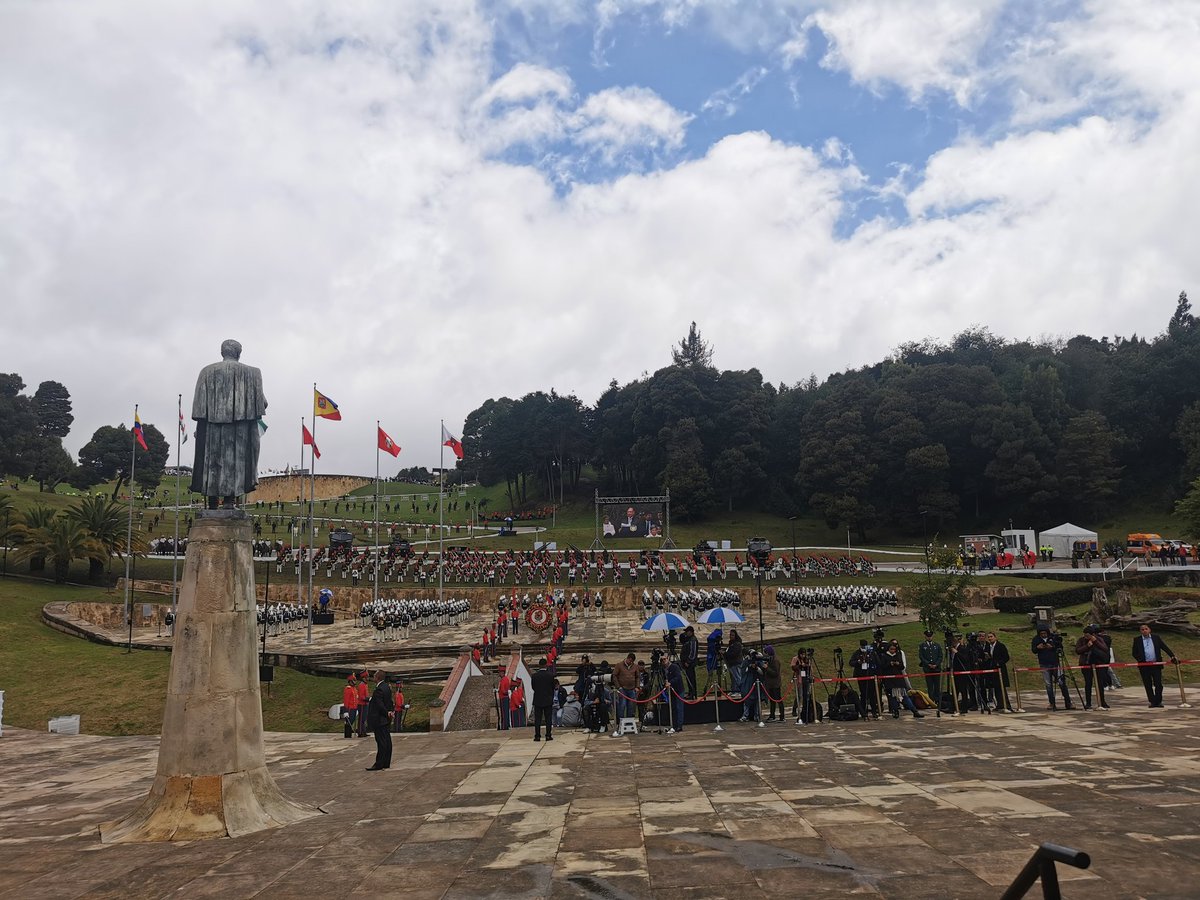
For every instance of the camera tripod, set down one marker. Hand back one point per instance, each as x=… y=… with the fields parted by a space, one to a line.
x=1066 y=671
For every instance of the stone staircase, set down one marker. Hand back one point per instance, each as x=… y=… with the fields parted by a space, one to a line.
x=475 y=705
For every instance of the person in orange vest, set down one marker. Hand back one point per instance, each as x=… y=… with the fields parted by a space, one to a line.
x=364 y=697
x=350 y=705
x=503 y=690
x=398 y=719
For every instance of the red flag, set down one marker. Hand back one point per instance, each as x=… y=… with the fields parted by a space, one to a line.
x=449 y=440
x=308 y=439
x=387 y=444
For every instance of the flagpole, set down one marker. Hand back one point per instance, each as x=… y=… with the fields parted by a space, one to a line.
x=378 y=555
x=300 y=502
x=175 y=549
x=312 y=495
x=129 y=530
x=441 y=507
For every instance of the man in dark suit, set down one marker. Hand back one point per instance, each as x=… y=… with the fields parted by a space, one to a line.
x=1150 y=648
x=1000 y=660
x=379 y=717
x=542 y=683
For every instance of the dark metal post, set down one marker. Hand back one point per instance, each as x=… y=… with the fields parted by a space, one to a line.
x=6 y=514
x=792 y=519
x=761 y=641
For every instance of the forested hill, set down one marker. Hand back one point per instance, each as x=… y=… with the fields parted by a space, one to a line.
x=979 y=430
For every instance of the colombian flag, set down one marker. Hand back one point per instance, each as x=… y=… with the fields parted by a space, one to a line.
x=137 y=431
x=325 y=408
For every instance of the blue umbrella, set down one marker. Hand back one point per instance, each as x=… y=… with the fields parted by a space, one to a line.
x=720 y=615
x=664 y=622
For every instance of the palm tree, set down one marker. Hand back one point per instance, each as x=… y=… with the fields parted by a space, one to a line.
x=106 y=520
x=37 y=518
x=62 y=540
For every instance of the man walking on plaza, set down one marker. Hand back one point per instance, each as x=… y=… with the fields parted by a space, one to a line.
x=1150 y=650
x=379 y=718
x=542 y=683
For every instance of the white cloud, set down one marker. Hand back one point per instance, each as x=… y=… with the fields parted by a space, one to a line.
x=616 y=119
x=320 y=183
x=724 y=102
x=919 y=45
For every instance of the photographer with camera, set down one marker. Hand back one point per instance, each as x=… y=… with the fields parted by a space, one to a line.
x=626 y=682
x=772 y=684
x=1093 y=652
x=735 y=656
x=1047 y=647
x=583 y=678
x=674 y=677
x=689 y=654
x=599 y=701
x=864 y=663
x=754 y=669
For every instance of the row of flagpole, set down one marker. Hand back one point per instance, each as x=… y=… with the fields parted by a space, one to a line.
x=323 y=408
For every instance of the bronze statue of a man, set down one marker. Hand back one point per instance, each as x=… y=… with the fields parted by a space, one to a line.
x=229 y=402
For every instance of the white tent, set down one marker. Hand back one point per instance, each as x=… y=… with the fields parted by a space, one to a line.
x=1064 y=536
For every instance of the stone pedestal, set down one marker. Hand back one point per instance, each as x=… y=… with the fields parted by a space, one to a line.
x=212 y=778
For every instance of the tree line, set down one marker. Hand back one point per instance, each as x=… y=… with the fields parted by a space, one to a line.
x=32 y=428
x=971 y=432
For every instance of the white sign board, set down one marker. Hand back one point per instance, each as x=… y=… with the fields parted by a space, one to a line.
x=64 y=725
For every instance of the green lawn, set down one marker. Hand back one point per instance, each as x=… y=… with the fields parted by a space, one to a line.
x=44 y=673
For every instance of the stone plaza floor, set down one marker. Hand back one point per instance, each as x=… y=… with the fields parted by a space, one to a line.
x=938 y=808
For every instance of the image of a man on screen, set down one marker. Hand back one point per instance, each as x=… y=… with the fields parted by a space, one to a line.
x=630 y=525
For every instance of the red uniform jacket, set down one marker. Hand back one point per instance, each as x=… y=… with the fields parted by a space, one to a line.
x=349 y=697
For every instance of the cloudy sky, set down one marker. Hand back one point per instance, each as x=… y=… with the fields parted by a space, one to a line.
x=420 y=204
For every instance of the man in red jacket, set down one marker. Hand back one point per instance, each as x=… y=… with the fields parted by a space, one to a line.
x=350 y=705
x=364 y=697
x=503 y=690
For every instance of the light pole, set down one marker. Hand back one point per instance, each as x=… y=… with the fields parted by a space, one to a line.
x=6 y=514
x=759 y=549
x=792 y=519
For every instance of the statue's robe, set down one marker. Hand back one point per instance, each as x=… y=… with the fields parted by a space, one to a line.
x=229 y=402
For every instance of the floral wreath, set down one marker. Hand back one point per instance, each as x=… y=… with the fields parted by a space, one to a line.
x=538 y=617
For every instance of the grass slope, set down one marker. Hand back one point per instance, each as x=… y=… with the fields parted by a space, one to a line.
x=45 y=673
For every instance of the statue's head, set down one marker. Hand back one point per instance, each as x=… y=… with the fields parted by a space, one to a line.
x=231 y=349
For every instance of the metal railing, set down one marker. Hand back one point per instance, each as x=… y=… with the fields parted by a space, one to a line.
x=1042 y=865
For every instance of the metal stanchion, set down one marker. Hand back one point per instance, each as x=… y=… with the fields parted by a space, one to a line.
x=717 y=706
x=1017 y=689
x=878 y=696
x=1183 y=704
x=758 y=706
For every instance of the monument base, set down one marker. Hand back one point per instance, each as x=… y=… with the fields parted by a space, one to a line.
x=182 y=808
x=212 y=778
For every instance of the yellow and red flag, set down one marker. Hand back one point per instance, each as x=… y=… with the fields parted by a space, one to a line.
x=325 y=407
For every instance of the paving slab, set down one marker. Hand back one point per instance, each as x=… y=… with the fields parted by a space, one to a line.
x=937 y=808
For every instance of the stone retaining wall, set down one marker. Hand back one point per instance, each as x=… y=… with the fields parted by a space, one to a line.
x=287 y=487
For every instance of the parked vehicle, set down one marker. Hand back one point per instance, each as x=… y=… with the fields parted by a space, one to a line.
x=1140 y=543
